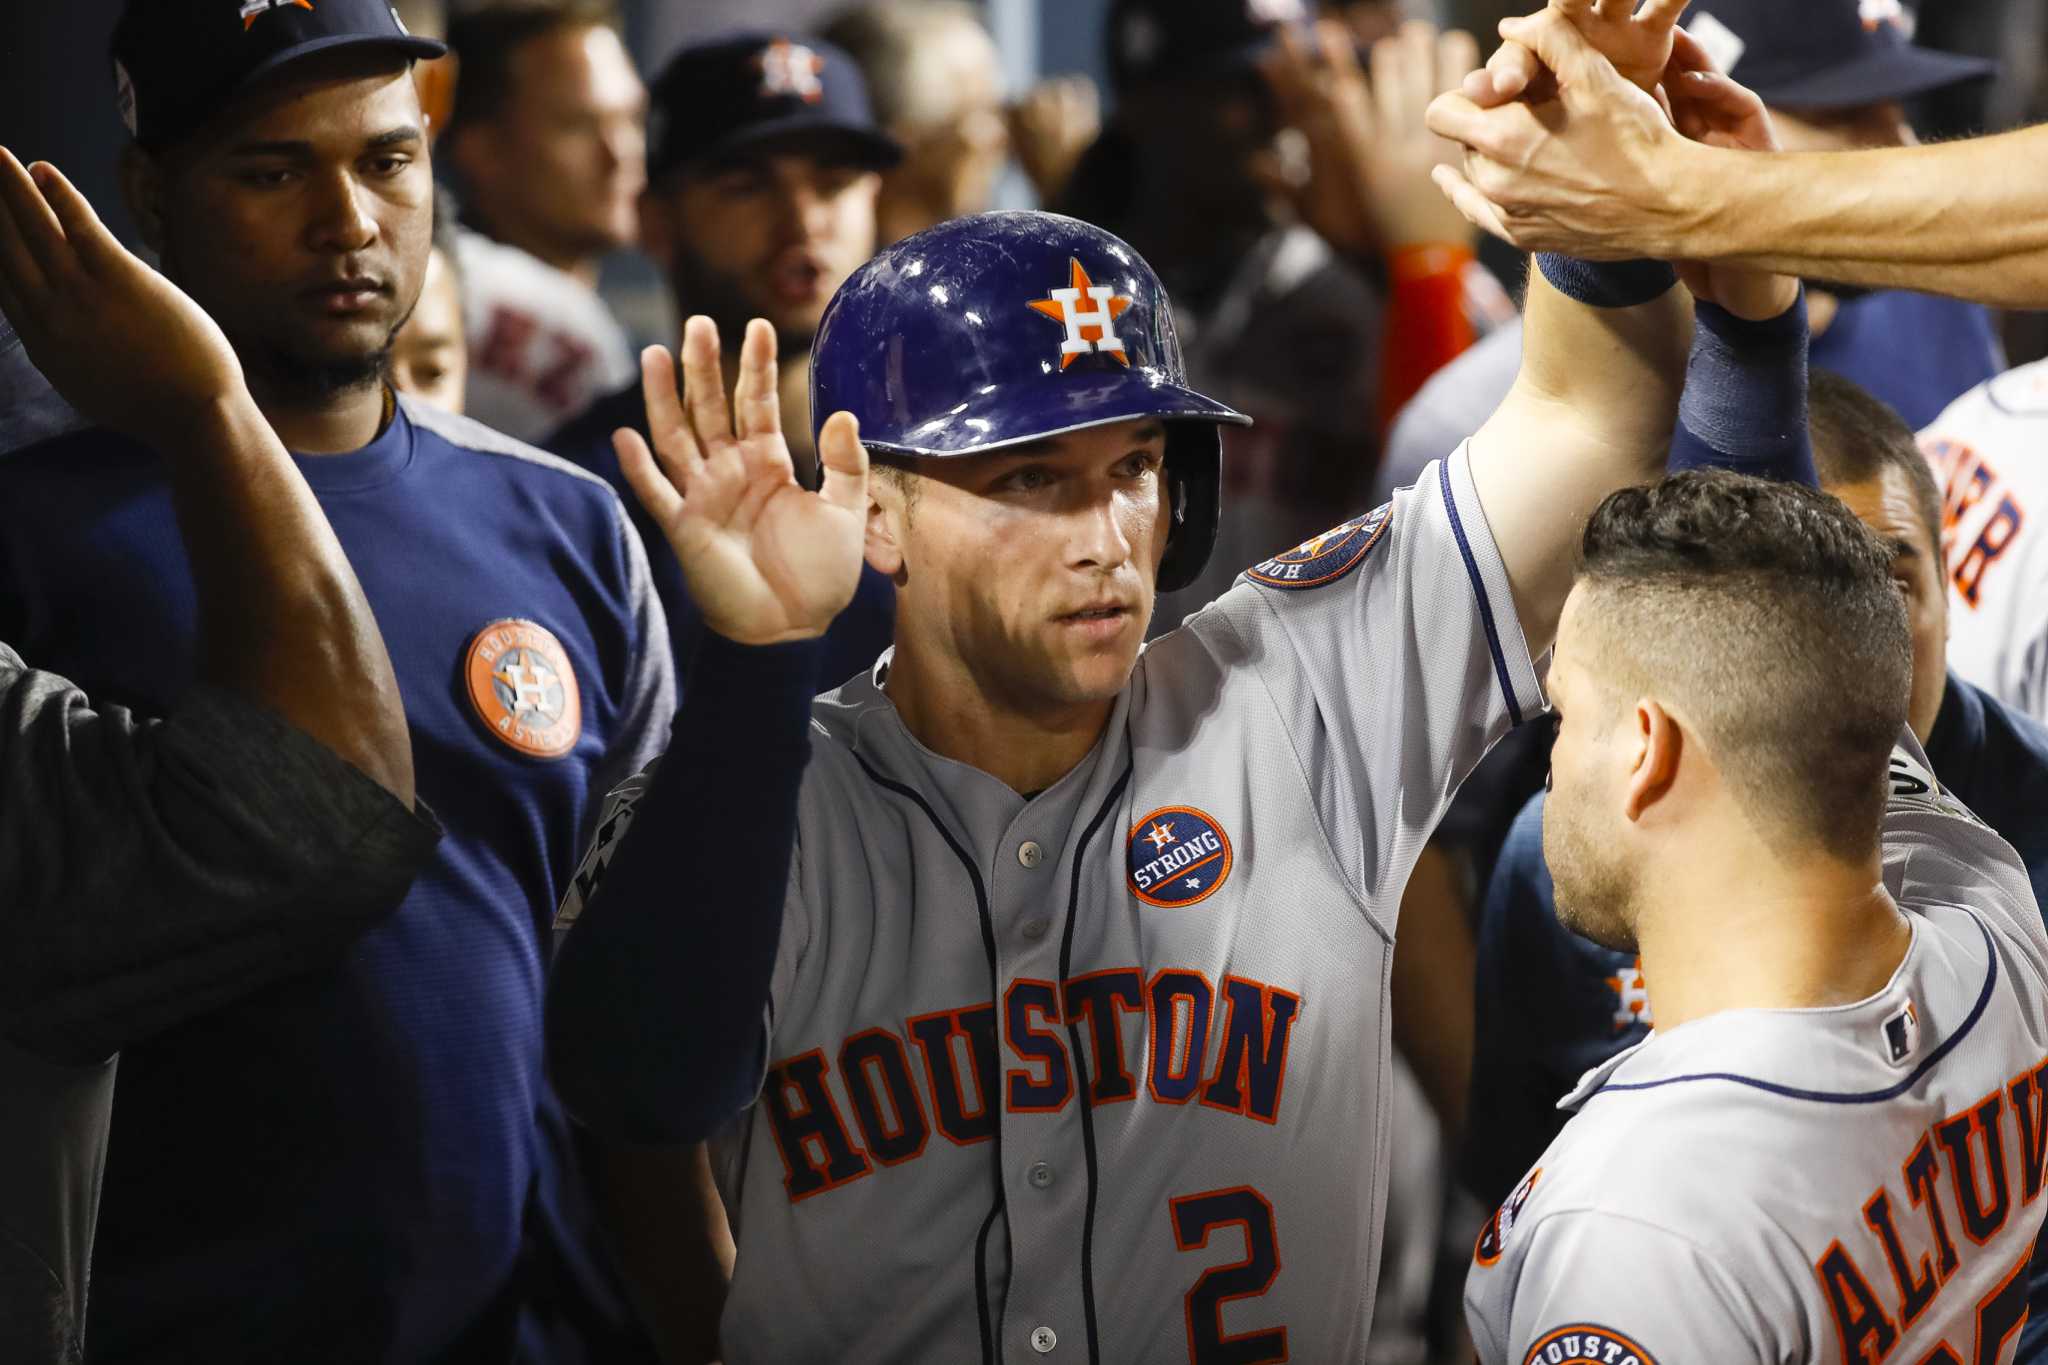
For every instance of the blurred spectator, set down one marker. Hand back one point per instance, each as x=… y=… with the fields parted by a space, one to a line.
x=1372 y=20
x=548 y=146
x=1832 y=83
x=1280 y=317
x=1987 y=449
x=761 y=195
x=937 y=85
x=436 y=78
x=428 y=360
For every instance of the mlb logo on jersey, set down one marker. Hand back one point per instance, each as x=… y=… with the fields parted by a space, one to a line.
x=1327 y=557
x=252 y=10
x=523 y=689
x=1178 y=856
x=1089 y=312
x=1877 y=14
x=1584 y=1342
x=791 y=70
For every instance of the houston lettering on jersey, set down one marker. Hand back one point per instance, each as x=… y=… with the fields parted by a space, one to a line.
x=1964 y=1178
x=1221 y=1048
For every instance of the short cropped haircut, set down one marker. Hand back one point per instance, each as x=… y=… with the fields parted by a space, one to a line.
x=486 y=41
x=887 y=40
x=1764 y=613
x=1856 y=437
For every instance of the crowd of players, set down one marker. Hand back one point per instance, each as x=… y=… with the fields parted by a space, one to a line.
x=364 y=659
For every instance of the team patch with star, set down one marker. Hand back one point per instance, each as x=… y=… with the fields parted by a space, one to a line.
x=1327 y=557
x=1178 y=856
x=1583 y=1343
x=523 y=689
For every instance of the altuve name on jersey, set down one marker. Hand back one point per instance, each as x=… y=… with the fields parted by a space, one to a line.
x=897 y=1106
x=1915 y=1251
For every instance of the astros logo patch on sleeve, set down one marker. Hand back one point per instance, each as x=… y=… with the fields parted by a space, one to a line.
x=523 y=689
x=1585 y=1344
x=1327 y=557
x=1494 y=1236
x=1178 y=856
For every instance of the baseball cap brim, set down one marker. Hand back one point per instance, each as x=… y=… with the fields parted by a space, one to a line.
x=1877 y=77
x=1078 y=404
x=200 y=111
x=851 y=142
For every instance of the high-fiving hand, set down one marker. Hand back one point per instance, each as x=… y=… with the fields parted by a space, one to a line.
x=121 y=343
x=766 y=560
x=1637 y=42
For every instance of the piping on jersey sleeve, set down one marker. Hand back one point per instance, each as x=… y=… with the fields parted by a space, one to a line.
x=1502 y=671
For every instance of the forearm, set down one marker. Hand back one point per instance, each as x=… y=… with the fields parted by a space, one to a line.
x=656 y=1004
x=1591 y=411
x=282 y=619
x=1967 y=218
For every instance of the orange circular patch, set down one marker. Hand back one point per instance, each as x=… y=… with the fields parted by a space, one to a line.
x=523 y=689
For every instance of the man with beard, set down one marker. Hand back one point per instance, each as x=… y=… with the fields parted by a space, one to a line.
x=340 y=1168
x=762 y=184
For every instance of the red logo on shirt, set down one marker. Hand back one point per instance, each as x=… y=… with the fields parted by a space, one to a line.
x=523 y=689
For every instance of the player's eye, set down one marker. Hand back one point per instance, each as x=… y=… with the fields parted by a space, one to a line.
x=389 y=165
x=1029 y=479
x=267 y=178
x=1139 y=462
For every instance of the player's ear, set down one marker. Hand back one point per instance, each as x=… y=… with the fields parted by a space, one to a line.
x=888 y=513
x=1657 y=743
x=142 y=188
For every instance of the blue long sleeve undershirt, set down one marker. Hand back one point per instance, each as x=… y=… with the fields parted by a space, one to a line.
x=655 y=1020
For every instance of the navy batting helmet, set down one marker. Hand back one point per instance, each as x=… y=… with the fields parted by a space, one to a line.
x=1001 y=328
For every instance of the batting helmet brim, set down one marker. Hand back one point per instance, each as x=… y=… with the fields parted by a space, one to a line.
x=1098 y=401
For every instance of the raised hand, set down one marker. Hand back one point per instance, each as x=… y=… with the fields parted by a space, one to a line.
x=1709 y=107
x=1637 y=41
x=1371 y=152
x=766 y=560
x=121 y=343
x=1600 y=173
x=1050 y=127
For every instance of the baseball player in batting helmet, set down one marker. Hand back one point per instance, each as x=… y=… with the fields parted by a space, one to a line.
x=1030 y=989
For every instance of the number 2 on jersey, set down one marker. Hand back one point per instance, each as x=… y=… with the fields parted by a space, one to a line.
x=1195 y=1216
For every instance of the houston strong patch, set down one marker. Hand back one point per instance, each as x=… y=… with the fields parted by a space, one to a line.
x=1178 y=856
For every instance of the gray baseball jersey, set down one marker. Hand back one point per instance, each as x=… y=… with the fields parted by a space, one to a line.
x=1099 y=1075
x=1856 y=1184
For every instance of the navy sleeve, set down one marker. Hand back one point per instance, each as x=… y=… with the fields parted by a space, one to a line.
x=656 y=1009
x=1744 y=406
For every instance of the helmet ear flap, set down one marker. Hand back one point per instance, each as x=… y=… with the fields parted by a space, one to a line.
x=1194 y=473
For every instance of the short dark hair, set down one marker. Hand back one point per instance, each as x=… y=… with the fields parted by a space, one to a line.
x=1766 y=614
x=1856 y=437
x=487 y=40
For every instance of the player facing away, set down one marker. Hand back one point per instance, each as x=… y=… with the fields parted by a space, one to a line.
x=1042 y=1014
x=1831 y=1147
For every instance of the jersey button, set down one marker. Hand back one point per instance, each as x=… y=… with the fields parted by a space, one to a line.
x=1028 y=853
x=1040 y=1175
x=1033 y=928
x=1043 y=1339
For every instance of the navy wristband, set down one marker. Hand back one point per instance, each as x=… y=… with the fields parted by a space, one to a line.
x=1744 y=406
x=1607 y=284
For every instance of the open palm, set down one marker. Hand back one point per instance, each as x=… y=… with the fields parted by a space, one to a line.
x=766 y=559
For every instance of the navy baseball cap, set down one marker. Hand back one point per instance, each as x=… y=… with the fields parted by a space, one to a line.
x=178 y=62
x=1825 y=54
x=1163 y=39
x=750 y=91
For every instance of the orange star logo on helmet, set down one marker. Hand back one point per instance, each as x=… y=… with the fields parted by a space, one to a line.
x=523 y=688
x=252 y=10
x=1089 y=312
